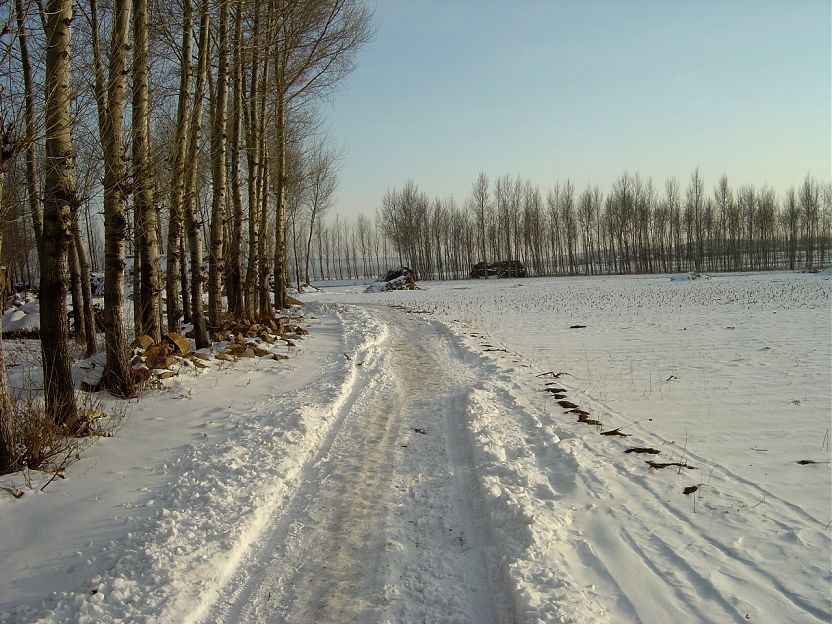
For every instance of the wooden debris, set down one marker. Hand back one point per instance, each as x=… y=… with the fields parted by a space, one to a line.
x=642 y=449
x=660 y=465
x=615 y=432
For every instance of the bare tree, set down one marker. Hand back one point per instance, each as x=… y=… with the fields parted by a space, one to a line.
x=790 y=219
x=695 y=220
x=233 y=262
x=29 y=94
x=9 y=146
x=110 y=99
x=219 y=170
x=479 y=205
x=809 y=198
x=175 y=263
x=317 y=43
x=144 y=209
x=322 y=172
x=57 y=216
x=192 y=224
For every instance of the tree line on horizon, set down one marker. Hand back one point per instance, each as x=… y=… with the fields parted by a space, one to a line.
x=193 y=128
x=632 y=228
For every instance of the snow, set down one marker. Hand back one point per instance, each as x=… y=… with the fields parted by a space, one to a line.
x=689 y=276
x=408 y=464
x=23 y=316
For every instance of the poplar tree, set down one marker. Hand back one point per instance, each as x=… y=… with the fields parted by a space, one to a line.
x=193 y=226
x=219 y=178
x=143 y=204
x=59 y=195
x=110 y=100
x=175 y=295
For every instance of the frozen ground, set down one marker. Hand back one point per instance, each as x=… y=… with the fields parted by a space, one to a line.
x=407 y=465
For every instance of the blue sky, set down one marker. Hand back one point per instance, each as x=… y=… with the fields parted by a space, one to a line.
x=584 y=90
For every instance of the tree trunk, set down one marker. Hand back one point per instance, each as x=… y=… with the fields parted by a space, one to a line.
x=86 y=286
x=295 y=249
x=117 y=378
x=146 y=218
x=219 y=142
x=254 y=161
x=7 y=415
x=265 y=306
x=184 y=282
x=280 y=247
x=31 y=171
x=78 y=319
x=57 y=212
x=309 y=247
x=192 y=225
x=234 y=277
x=136 y=273
x=175 y=298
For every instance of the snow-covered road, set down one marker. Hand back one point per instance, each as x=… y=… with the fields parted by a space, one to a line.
x=417 y=459
x=386 y=518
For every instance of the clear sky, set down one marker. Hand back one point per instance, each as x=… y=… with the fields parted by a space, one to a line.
x=584 y=90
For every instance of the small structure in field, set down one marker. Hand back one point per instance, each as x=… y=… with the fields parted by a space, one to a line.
x=400 y=278
x=503 y=268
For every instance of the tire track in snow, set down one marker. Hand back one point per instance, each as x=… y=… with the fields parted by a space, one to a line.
x=384 y=524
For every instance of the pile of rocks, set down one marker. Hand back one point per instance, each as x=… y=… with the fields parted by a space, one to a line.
x=157 y=359
x=163 y=359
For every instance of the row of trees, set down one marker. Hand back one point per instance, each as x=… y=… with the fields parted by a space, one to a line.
x=187 y=124
x=633 y=228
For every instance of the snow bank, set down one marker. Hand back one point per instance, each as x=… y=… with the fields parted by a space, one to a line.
x=24 y=316
x=218 y=467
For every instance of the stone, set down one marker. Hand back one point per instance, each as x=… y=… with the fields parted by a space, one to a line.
x=165 y=374
x=160 y=348
x=157 y=355
x=180 y=345
x=142 y=342
x=278 y=357
x=159 y=361
x=235 y=349
x=141 y=375
x=260 y=352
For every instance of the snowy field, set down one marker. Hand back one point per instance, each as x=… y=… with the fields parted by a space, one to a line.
x=731 y=375
x=410 y=462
